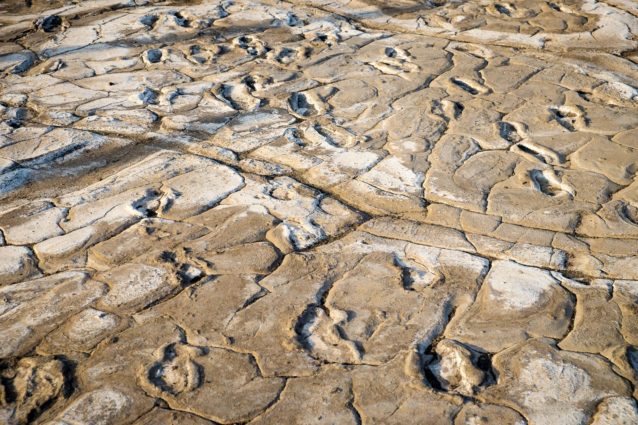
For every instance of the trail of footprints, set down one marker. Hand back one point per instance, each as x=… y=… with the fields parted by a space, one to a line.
x=322 y=212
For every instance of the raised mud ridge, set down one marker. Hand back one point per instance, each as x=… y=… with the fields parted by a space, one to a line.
x=319 y=212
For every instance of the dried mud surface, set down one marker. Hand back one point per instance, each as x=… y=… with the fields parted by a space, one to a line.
x=319 y=212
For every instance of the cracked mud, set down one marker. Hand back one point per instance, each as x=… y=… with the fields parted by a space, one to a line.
x=319 y=212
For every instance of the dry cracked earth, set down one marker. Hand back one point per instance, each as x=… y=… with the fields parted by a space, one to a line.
x=319 y=212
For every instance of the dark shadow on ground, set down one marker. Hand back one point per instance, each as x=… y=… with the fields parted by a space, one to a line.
x=400 y=7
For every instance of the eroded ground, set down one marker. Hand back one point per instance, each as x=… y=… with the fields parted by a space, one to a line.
x=304 y=212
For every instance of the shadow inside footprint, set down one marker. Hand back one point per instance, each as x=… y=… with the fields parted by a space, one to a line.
x=548 y=183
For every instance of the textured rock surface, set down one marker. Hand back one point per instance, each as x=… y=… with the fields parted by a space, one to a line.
x=318 y=212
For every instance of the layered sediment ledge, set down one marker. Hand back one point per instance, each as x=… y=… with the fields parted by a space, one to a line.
x=318 y=212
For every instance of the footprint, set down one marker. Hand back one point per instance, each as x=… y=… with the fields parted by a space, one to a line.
x=453 y=367
x=149 y=21
x=570 y=117
x=50 y=23
x=167 y=200
x=252 y=45
x=305 y=105
x=628 y=213
x=287 y=55
x=471 y=86
x=283 y=55
x=319 y=332
x=417 y=277
x=237 y=96
x=153 y=56
x=207 y=53
x=176 y=372
x=148 y=96
x=537 y=153
x=292 y=135
x=509 y=10
x=509 y=132
x=329 y=136
x=180 y=20
x=547 y=182
x=448 y=110
x=396 y=61
x=503 y=9
x=33 y=386
x=292 y=20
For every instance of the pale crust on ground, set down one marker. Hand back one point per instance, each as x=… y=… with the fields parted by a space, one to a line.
x=319 y=212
